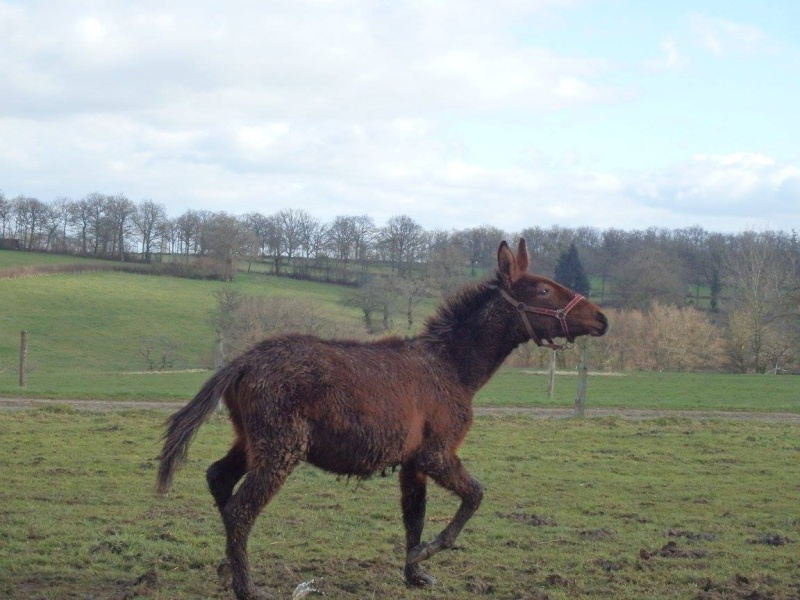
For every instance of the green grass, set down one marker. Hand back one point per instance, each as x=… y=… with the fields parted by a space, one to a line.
x=86 y=331
x=668 y=391
x=10 y=259
x=598 y=508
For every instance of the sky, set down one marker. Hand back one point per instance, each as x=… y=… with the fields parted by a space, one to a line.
x=457 y=113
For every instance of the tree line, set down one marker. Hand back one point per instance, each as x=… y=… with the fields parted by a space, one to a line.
x=745 y=284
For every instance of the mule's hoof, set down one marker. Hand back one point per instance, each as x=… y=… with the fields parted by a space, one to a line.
x=225 y=574
x=416 y=577
x=419 y=553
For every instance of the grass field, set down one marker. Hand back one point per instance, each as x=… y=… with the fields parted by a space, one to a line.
x=598 y=508
x=668 y=391
x=11 y=259
x=86 y=332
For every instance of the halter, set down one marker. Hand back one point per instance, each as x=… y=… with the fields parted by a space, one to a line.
x=560 y=314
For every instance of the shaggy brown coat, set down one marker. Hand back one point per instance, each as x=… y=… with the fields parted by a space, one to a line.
x=357 y=408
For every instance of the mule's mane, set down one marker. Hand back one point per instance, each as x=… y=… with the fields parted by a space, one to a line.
x=458 y=310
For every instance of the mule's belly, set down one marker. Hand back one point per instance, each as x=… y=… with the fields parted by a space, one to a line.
x=352 y=453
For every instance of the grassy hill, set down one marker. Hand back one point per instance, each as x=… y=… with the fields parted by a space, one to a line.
x=86 y=333
x=86 y=330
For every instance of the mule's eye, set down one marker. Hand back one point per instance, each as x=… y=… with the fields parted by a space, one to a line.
x=543 y=292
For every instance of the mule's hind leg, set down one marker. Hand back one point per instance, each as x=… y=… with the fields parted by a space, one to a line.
x=275 y=461
x=448 y=472
x=223 y=475
x=413 y=488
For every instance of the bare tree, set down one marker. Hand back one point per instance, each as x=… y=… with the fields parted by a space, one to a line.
x=664 y=337
x=120 y=210
x=58 y=220
x=401 y=239
x=479 y=246
x=290 y=222
x=243 y=320
x=258 y=224
x=311 y=235
x=648 y=276
x=413 y=290
x=363 y=231
x=188 y=227
x=98 y=222
x=546 y=245
x=223 y=235
x=167 y=234
x=148 y=218
x=80 y=217
x=6 y=215
x=203 y=240
x=249 y=245
x=30 y=216
x=159 y=353
x=276 y=241
x=375 y=296
x=342 y=240
x=445 y=268
x=757 y=278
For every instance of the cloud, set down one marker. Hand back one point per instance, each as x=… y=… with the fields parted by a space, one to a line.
x=722 y=37
x=350 y=107
x=727 y=185
x=670 y=59
x=322 y=102
x=309 y=59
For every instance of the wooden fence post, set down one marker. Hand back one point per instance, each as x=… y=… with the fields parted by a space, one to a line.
x=219 y=351
x=23 y=359
x=583 y=373
x=551 y=374
x=219 y=359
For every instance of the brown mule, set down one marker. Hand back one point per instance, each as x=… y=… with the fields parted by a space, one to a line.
x=357 y=408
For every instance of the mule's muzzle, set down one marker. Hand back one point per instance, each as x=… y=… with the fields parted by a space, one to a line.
x=602 y=326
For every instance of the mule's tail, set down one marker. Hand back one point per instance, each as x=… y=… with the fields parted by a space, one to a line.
x=183 y=425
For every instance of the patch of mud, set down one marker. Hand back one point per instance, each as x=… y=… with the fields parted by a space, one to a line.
x=141 y=586
x=556 y=580
x=691 y=535
x=772 y=539
x=609 y=566
x=738 y=587
x=671 y=550
x=531 y=519
x=478 y=586
x=597 y=534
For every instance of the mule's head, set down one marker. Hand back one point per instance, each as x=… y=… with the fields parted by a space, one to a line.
x=546 y=309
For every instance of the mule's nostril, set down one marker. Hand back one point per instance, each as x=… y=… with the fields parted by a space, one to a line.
x=604 y=321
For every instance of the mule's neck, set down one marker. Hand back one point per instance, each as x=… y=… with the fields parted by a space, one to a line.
x=474 y=333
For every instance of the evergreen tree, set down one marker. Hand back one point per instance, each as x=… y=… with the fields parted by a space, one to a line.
x=569 y=271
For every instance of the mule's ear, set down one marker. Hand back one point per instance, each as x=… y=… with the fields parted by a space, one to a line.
x=522 y=256
x=506 y=264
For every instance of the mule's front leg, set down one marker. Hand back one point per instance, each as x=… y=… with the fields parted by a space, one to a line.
x=413 y=487
x=451 y=475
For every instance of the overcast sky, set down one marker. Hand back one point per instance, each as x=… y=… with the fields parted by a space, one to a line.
x=457 y=113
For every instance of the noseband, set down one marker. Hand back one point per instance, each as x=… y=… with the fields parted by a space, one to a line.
x=560 y=314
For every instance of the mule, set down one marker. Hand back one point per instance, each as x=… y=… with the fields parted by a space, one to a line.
x=359 y=408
